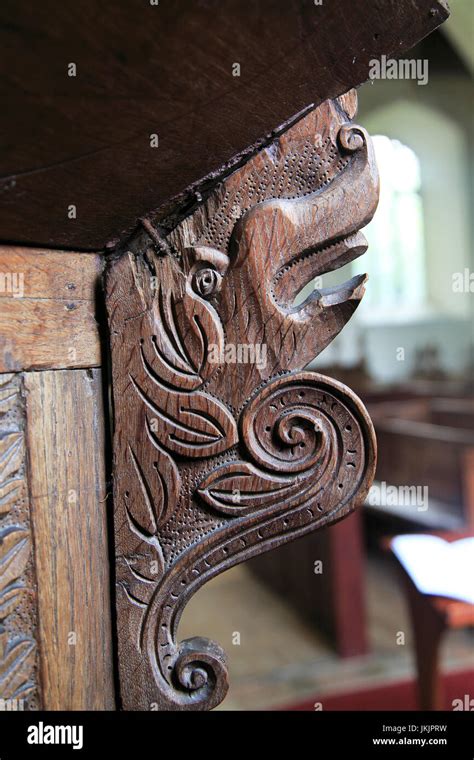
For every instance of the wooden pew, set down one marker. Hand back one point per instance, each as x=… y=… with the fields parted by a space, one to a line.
x=330 y=595
x=422 y=441
x=413 y=452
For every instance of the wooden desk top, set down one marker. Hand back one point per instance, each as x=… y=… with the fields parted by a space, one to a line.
x=164 y=69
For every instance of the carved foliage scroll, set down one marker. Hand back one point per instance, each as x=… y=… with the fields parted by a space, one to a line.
x=18 y=650
x=224 y=446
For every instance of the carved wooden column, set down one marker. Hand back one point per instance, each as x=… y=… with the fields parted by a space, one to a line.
x=224 y=445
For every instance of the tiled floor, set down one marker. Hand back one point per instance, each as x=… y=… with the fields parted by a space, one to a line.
x=281 y=660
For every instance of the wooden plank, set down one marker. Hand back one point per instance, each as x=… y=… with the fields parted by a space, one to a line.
x=19 y=678
x=47 y=335
x=413 y=453
x=47 y=309
x=468 y=486
x=85 y=139
x=56 y=275
x=65 y=438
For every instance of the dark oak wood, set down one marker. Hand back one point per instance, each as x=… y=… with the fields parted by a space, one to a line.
x=242 y=203
x=218 y=457
x=165 y=69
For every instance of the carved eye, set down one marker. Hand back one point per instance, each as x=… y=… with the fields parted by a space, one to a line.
x=205 y=282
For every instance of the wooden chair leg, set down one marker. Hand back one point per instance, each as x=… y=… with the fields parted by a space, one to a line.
x=428 y=628
x=348 y=586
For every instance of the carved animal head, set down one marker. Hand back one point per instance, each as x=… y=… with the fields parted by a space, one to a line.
x=226 y=300
x=220 y=452
x=280 y=245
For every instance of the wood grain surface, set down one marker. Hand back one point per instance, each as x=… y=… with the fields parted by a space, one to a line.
x=48 y=305
x=65 y=439
x=224 y=447
x=165 y=69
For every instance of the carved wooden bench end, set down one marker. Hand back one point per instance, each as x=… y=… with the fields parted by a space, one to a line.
x=224 y=445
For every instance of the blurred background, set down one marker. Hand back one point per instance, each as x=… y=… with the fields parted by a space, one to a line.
x=332 y=621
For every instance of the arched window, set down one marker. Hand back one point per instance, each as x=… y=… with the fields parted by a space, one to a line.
x=396 y=255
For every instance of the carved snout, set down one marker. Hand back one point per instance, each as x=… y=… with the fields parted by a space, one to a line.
x=280 y=245
x=309 y=236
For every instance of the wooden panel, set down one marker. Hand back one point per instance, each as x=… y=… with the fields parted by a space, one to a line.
x=413 y=453
x=333 y=598
x=57 y=275
x=19 y=682
x=65 y=438
x=165 y=69
x=453 y=412
x=221 y=455
x=347 y=581
x=47 y=309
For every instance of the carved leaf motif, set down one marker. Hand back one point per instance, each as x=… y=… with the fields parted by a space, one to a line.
x=16 y=663
x=11 y=458
x=9 y=493
x=238 y=487
x=135 y=600
x=155 y=487
x=8 y=399
x=14 y=551
x=143 y=577
x=175 y=346
x=10 y=598
x=150 y=504
x=148 y=538
x=150 y=497
x=194 y=425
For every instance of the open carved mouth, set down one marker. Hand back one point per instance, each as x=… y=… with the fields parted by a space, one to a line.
x=293 y=278
x=281 y=244
x=319 y=233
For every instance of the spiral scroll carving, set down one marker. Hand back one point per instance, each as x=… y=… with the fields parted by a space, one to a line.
x=351 y=137
x=307 y=438
x=316 y=432
x=286 y=427
x=218 y=459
